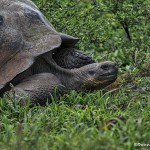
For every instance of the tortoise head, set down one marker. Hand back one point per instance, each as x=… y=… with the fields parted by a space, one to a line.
x=98 y=75
x=24 y=34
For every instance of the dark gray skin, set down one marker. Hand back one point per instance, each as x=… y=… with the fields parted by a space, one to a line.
x=71 y=58
x=29 y=57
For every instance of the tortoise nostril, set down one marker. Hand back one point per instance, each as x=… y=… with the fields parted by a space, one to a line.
x=105 y=66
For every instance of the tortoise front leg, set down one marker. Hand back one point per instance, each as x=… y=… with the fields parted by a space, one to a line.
x=71 y=58
x=37 y=88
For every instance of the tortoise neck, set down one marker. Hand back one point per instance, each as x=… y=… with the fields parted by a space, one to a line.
x=70 y=78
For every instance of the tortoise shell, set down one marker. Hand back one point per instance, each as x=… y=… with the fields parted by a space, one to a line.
x=24 y=35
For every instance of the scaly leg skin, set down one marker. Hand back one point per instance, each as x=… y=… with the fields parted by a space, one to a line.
x=71 y=58
x=37 y=88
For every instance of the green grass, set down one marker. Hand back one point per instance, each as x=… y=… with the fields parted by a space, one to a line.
x=112 y=120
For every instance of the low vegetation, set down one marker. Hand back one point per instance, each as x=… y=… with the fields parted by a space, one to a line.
x=115 y=118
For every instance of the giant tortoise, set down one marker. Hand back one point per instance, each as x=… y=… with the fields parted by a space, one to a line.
x=36 y=60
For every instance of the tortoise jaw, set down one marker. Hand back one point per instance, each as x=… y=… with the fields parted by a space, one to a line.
x=95 y=84
x=109 y=77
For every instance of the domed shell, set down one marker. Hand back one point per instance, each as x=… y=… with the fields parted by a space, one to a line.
x=24 y=35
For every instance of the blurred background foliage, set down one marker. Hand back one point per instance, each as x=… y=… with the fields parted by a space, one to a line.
x=116 y=30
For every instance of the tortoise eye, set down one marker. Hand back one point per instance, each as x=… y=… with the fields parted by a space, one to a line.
x=91 y=72
x=1 y=20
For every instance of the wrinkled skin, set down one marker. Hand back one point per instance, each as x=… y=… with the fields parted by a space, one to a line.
x=27 y=44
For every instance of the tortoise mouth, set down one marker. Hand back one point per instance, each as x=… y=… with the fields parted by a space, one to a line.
x=108 y=77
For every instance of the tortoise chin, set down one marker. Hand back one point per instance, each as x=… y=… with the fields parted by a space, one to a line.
x=99 y=84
